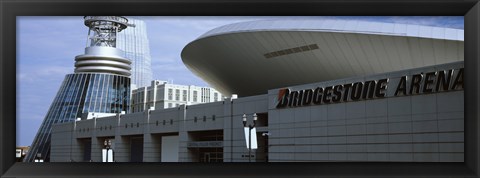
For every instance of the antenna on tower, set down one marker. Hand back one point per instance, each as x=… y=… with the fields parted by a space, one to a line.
x=105 y=29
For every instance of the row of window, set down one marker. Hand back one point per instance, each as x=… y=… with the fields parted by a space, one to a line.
x=177 y=95
x=164 y=122
x=126 y=126
x=195 y=119
x=131 y=125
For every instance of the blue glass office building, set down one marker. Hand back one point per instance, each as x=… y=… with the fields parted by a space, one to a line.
x=135 y=44
x=101 y=83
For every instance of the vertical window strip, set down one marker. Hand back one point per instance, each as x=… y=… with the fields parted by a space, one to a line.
x=101 y=93
x=107 y=93
x=67 y=103
x=88 y=99
x=96 y=91
x=113 y=94
x=128 y=84
x=79 y=94
x=110 y=93
x=118 y=93
x=122 y=91
x=75 y=98
x=81 y=97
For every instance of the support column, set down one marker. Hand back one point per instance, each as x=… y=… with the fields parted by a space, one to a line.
x=97 y=146
x=227 y=130
x=183 y=153
x=122 y=145
x=152 y=148
x=122 y=149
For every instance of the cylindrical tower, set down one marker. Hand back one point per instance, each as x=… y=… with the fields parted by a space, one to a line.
x=101 y=83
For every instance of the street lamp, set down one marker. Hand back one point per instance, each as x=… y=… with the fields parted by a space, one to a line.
x=39 y=158
x=250 y=127
x=107 y=143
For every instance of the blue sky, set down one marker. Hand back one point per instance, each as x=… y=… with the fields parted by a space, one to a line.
x=46 y=47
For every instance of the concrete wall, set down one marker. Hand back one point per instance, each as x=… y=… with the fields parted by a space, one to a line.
x=418 y=128
x=63 y=144
x=170 y=149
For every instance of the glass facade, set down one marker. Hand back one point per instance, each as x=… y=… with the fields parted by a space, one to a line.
x=134 y=42
x=81 y=93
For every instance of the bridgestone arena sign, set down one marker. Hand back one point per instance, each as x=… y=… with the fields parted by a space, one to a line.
x=422 y=83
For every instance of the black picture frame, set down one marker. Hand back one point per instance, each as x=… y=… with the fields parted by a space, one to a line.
x=11 y=9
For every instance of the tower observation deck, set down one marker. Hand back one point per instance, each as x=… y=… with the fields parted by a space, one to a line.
x=102 y=56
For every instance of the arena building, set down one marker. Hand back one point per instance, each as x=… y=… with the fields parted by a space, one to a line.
x=322 y=90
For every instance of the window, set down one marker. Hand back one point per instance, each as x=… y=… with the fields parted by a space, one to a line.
x=177 y=95
x=195 y=93
x=176 y=105
x=170 y=94
x=184 y=95
x=205 y=95
x=195 y=119
x=215 y=97
x=150 y=95
x=213 y=117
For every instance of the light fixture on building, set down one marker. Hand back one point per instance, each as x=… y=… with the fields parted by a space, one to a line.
x=249 y=138
x=107 y=152
x=39 y=158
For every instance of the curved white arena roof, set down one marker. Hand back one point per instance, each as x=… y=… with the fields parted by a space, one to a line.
x=249 y=58
x=345 y=26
